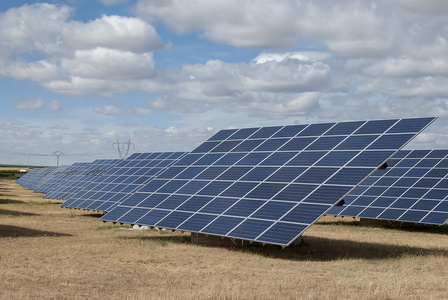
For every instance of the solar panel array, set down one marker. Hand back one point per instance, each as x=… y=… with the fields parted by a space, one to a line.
x=265 y=184
x=64 y=178
x=78 y=176
x=53 y=180
x=38 y=177
x=414 y=188
x=107 y=190
x=31 y=176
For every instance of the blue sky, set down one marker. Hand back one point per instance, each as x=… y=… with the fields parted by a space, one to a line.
x=77 y=75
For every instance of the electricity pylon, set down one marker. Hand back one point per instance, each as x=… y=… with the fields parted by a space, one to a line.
x=57 y=154
x=121 y=145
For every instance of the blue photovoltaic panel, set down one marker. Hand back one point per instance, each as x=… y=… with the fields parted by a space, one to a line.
x=54 y=180
x=266 y=184
x=79 y=176
x=101 y=184
x=121 y=181
x=39 y=180
x=413 y=188
x=62 y=175
x=34 y=177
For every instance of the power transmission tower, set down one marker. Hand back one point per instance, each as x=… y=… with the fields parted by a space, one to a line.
x=57 y=154
x=122 y=145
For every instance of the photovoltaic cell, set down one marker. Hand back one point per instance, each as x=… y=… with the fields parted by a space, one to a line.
x=413 y=188
x=268 y=184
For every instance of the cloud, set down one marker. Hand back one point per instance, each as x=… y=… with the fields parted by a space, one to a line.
x=382 y=47
x=49 y=135
x=103 y=71
x=314 y=61
x=103 y=63
x=56 y=34
x=40 y=71
x=76 y=86
x=300 y=55
x=388 y=52
x=273 y=88
x=113 y=2
x=355 y=28
x=60 y=126
x=30 y=104
x=32 y=28
x=111 y=110
x=36 y=103
x=24 y=133
x=171 y=130
x=54 y=105
x=113 y=32
x=239 y=23
x=153 y=139
x=360 y=29
x=407 y=66
x=379 y=46
x=105 y=55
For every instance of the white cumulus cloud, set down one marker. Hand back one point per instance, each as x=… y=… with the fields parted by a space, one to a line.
x=273 y=88
x=105 y=55
x=104 y=63
x=114 y=32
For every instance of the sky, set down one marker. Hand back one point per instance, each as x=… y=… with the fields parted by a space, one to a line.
x=78 y=76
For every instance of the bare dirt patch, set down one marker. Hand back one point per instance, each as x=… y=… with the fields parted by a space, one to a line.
x=47 y=252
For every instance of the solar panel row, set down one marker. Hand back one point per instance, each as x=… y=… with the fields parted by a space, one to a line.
x=414 y=188
x=107 y=190
x=265 y=184
x=37 y=177
x=53 y=180
x=78 y=176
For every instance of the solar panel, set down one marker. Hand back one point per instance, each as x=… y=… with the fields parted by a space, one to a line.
x=105 y=191
x=265 y=184
x=37 y=177
x=46 y=183
x=28 y=177
x=59 y=178
x=55 y=186
x=413 y=188
x=77 y=177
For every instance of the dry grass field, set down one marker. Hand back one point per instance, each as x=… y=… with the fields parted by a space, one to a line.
x=47 y=252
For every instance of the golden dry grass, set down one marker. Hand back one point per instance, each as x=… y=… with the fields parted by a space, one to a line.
x=47 y=252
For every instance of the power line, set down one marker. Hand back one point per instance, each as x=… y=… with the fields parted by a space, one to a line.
x=22 y=153
x=41 y=154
